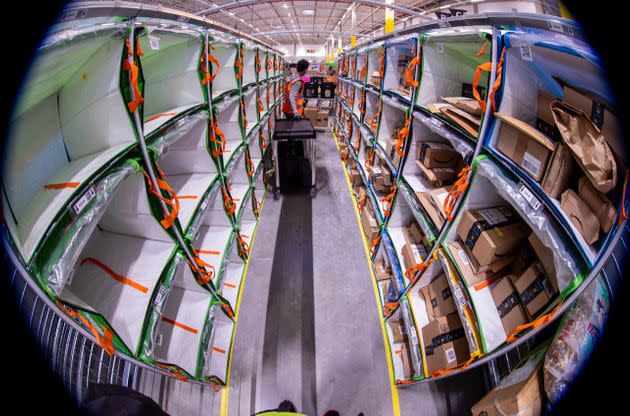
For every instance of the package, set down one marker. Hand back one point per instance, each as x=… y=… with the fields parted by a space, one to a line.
x=463 y=119
x=469 y=105
x=311 y=114
x=413 y=254
x=577 y=335
x=412 y=233
x=559 y=171
x=355 y=177
x=445 y=343
x=588 y=145
x=534 y=288
x=359 y=192
x=436 y=155
x=580 y=216
x=426 y=296
x=507 y=301
x=437 y=176
x=520 y=393
x=405 y=355
x=375 y=79
x=524 y=145
x=370 y=226
x=598 y=112
x=322 y=118
x=440 y=298
x=381 y=178
x=381 y=271
x=464 y=264
x=344 y=152
x=384 y=286
x=544 y=117
x=598 y=203
x=545 y=256
x=390 y=149
x=492 y=233
x=433 y=203
x=399 y=331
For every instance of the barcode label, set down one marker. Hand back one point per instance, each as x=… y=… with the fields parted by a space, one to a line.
x=492 y=216
x=531 y=164
x=440 y=48
x=83 y=201
x=437 y=123
x=530 y=198
x=204 y=204
x=461 y=300
x=450 y=355
x=526 y=53
x=182 y=121
x=462 y=255
x=158 y=340
x=561 y=28
x=154 y=42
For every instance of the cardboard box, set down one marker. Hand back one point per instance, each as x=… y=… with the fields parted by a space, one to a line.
x=436 y=155
x=413 y=254
x=580 y=216
x=359 y=192
x=381 y=178
x=445 y=343
x=413 y=233
x=524 y=145
x=437 y=176
x=559 y=171
x=544 y=117
x=466 y=121
x=405 y=355
x=399 y=331
x=545 y=256
x=469 y=105
x=432 y=202
x=601 y=116
x=520 y=393
x=534 y=288
x=311 y=114
x=322 y=118
x=491 y=234
x=506 y=299
x=440 y=298
x=426 y=296
x=465 y=265
x=370 y=226
x=381 y=271
x=598 y=203
x=344 y=153
x=355 y=177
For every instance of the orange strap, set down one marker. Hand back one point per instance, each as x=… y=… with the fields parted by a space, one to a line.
x=364 y=69
x=402 y=137
x=243 y=116
x=214 y=132
x=487 y=67
x=62 y=185
x=362 y=202
x=374 y=243
x=106 y=341
x=261 y=107
x=160 y=115
x=374 y=120
x=257 y=64
x=409 y=75
x=389 y=308
x=173 y=371
x=483 y=49
x=623 y=215
x=255 y=205
x=228 y=202
x=410 y=272
x=486 y=283
x=250 y=165
x=497 y=81
x=437 y=373
x=456 y=190
x=370 y=161
x=219 y=350
x=357 y=143
x=405 y=381
x=381 y=62
x=173 y=203
x=210 y=252
x=268 y=63
x=268 y=97
x=362 y=103
x=187 y=196
x=534 y=324
x=132 y=68
x=203 y=276
x=262 y=140
x=389 y=199
x=139 y=51
x=239 y=64
x=179 y=325
x=243 y=247
x=122 y=279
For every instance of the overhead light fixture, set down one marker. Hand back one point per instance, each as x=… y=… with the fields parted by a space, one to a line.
x=308 y=12
x=285 y=6
x=476 y=1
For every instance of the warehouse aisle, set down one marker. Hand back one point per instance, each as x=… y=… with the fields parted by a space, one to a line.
x=308 y=329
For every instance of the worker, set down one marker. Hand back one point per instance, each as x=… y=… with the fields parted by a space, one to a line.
x=293 y=105
x=331 y=76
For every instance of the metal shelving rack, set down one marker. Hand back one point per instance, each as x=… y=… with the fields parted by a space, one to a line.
x=609 y=264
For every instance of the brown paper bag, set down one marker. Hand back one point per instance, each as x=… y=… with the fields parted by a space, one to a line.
x=587 y=144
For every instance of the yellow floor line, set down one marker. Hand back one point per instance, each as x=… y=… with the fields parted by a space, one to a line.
x=390 y=366
x=226 y=389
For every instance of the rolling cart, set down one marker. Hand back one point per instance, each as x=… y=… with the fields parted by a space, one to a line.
x=294 y=146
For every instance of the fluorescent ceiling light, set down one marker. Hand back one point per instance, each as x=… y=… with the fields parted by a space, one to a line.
x=308 y=12
x=476 y=1
x=285 y=6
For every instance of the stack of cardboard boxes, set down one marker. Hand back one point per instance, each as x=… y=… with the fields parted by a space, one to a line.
x=445 y=344
x=317 y=116
x=496 y=248
x=383 y=274
x=556 y=163
x=438 y=163
x=464 y=111
x=414 y=252
x=401 y=340
x=380 y=176
x=369 y=222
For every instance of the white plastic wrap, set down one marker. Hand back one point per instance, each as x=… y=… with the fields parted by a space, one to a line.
x=178 y=130
x=567 y=268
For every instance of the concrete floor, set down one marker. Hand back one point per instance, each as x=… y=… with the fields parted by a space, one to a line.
x=308 y=328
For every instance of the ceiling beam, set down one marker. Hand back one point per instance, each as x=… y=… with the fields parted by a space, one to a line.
x=279 y=32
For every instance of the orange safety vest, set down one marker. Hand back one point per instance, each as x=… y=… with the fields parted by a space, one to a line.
x=299 y=103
